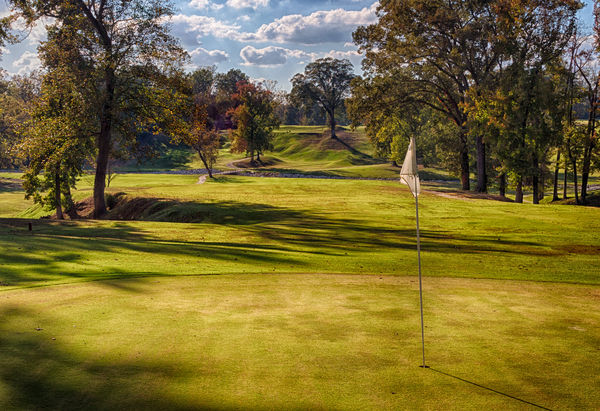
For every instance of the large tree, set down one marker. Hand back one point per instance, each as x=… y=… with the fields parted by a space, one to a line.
x=129 y=52
x=431 y=52
x=254 y=119
x=325 y=82
x=525 y=106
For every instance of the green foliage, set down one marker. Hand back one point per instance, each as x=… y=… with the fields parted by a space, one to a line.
x=16 y=96
x=127 y=52
x=325 y=82
x=255 y=120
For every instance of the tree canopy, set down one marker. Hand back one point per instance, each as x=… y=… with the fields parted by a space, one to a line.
x=325 y=82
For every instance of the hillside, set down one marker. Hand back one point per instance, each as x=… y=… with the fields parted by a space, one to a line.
x=296 y=150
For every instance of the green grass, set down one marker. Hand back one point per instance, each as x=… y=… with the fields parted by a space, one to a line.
x=299 y=342
x=298 y=293
x=254 y=225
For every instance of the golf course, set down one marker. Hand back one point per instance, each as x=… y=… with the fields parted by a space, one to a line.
x=254 y=290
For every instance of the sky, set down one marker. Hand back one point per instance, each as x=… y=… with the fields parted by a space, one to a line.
x=266 y=39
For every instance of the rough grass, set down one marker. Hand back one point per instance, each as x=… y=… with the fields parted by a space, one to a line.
x=299 y=342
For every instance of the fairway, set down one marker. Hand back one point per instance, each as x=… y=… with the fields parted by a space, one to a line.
x=273 y=293
x=299 y=342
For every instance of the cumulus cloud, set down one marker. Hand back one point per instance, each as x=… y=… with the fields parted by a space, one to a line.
x=318 y=27
x=200 y=26
x=252 y=4
x=27 y=63
x=203 y=57
x=271 y=56
x=336 y=54
x=205 y=4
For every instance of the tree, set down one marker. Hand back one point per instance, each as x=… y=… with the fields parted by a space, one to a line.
x=525 y=105
x=428 y=52
x=129 y=53
x=255 y=120
x=199 y=132
x=57 y=141
x=327 y=82
x=16 y=96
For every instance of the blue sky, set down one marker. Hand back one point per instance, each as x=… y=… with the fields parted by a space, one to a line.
x=267 y=39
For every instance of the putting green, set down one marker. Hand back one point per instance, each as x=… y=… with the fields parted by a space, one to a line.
x=299 y=341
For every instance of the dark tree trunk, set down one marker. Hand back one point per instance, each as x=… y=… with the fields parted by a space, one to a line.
x=502 y=188
x=536 y=188
x=536 y=180
x=565 y=179
x=59 y=213
x=575 y=185
x=71 y=211
x=556 y=170
x=482 y=181
x=332 y=123
x=104 y=144
x=464 y=169
x=585 y=174
x=208 y=169
x=519 y=191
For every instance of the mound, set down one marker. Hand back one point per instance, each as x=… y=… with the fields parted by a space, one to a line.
x=593 y=200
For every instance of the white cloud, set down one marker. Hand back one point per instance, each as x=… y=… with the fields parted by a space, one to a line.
x=27 y=63
x=337 y=54
x=201 y=26
x=318 y=27
x=271 y=56
x=203 y=57
x=205 y=4
x=253 y=4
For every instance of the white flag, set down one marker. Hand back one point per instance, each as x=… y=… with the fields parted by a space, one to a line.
x=409 y=174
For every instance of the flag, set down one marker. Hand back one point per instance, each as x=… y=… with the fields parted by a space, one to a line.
x=409 y=174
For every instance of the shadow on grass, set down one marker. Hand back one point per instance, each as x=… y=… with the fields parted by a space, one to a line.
x=38 y=372
x=278 y=237
x=10 y=185
x=489 y=389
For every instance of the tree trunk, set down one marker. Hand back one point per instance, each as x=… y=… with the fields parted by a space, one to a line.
x=585 y=173
x=104 y=143
x=464 y=160
x=574 y=165
x=59 y=213
x=332 y=123
x=535 y=180
x=502 y=188
x=519 y=191
x=565 y=178
x=556 y=170
x=208 y=169
x=482 y=181
x=536 y=187
x=71 y=211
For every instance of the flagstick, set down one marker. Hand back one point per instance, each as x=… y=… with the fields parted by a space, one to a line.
x=420 y=282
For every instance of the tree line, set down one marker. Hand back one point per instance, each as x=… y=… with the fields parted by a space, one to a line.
x=490 y=86
x=507 y=89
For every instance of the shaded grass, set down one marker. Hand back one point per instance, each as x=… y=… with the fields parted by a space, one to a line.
x=299 y=342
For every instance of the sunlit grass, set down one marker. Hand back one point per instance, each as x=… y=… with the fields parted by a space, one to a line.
x=299 y=342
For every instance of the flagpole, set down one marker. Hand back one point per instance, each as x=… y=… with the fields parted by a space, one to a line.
x=420 y=282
